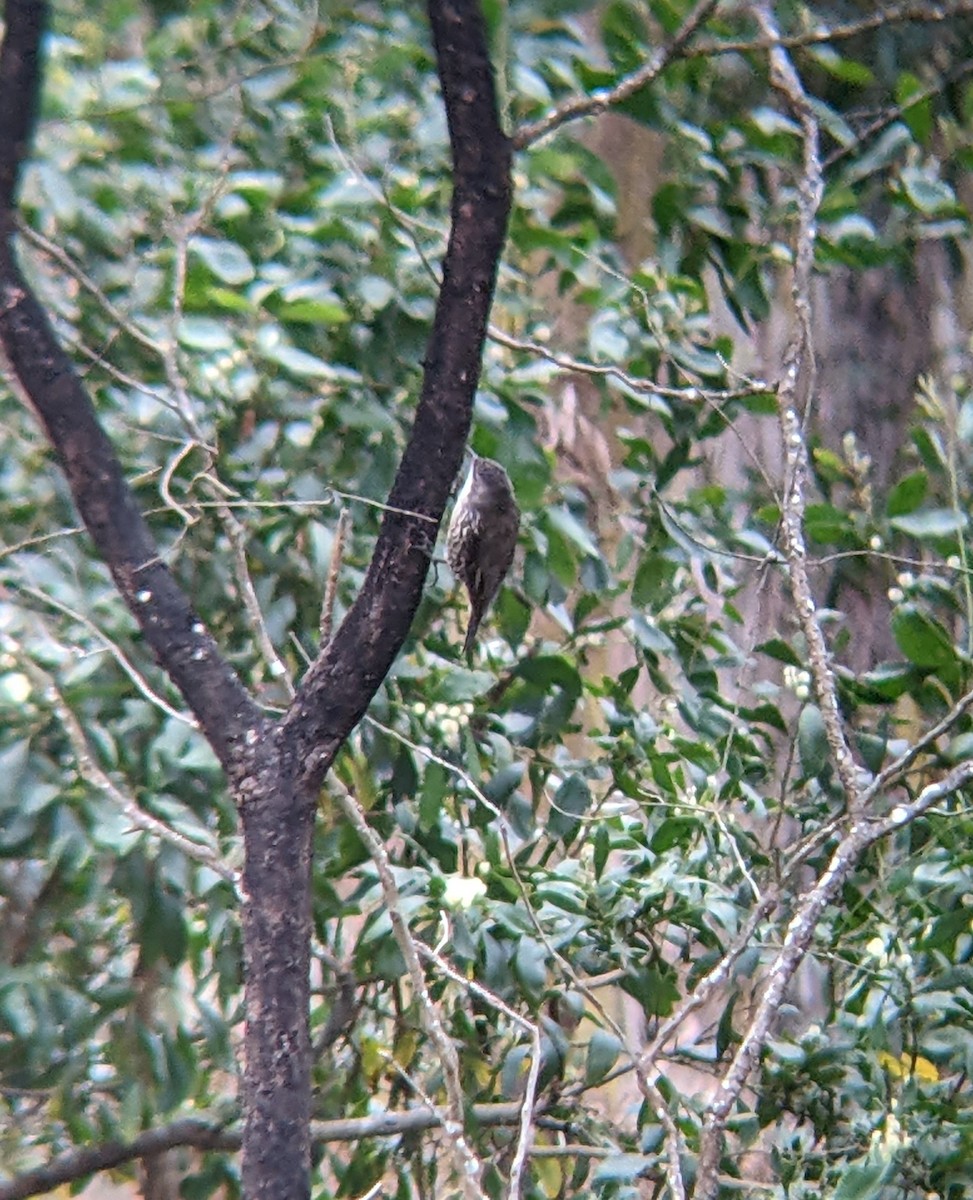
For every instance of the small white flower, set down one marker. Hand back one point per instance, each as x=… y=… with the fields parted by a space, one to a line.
x=15 y=687
x=461 y=891
x=875 y=948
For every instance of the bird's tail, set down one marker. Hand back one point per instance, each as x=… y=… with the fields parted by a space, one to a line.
x=471 y=632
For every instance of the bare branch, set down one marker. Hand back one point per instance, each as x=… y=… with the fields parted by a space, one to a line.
x=897 y=14
x=897 y=111
x=797 y=378
x=326 y=621
x=205 y=1135
x=468 y=1169
x=900 y=765
x=142 y=685
x=525 y=1137
x=612 y=370
x=601 y=101
x=89 y=769
x=604 y=99
x=864 y=832
x=76 y=1164
x=798 y=374
x=707 y=986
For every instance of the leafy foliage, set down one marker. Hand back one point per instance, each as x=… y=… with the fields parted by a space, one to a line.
x=237 y=216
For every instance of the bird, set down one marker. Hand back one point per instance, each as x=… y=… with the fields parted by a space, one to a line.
x=482 y=537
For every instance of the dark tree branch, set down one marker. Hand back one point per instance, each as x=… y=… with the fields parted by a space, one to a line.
x=337 y=689
x=182 y=644
x=19 y=94
x=275 y=769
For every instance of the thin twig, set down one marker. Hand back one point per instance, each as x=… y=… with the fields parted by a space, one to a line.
x=899 y=766
x=64 y=260
x=453 y=768
x=211 y=1135
x=798 y=375
x=581 y=367
x=897 y=111
x=603 y=99
x=237 y=533
x=920 y=13
x=90 y=771
x=142 y=685
x=525 y=1138
x=864 y=832
x=468 y=1168
x=326 y=623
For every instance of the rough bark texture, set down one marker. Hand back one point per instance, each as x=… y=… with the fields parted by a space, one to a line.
x=274 y=769
x=278 y=822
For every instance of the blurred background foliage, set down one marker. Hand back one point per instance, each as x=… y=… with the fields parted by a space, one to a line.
x=235 y=214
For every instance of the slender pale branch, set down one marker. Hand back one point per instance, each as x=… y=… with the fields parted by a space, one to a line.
x=797 y=382
x=897 y=111
x=922 y=13
x=604 y=99
x=468 y=1168
x=863 y=833
x=525 y=1137
x=92 y=773
x=897 y=768
x=142 y=685
x=205 y=1135
x=637 y=384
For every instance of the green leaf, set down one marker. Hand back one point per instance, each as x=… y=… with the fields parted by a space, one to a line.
x=299 y=363
x=530 y=963
x=812 y=741
x=571 y=801
x=829 y=526
x=846 y=69
x=674 y=831
x=928 y=194
x=568 y=525
x=621 y=1168
x=921 y=638
x=204 y=333
x=863 y=1180
x=602 y=849
x=781 y=651
x=229 y=262
x=910 y=93
x=725 y=1035
x=435 y=784
x=932 y=523
x=603 y=1052
x=907 y=494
